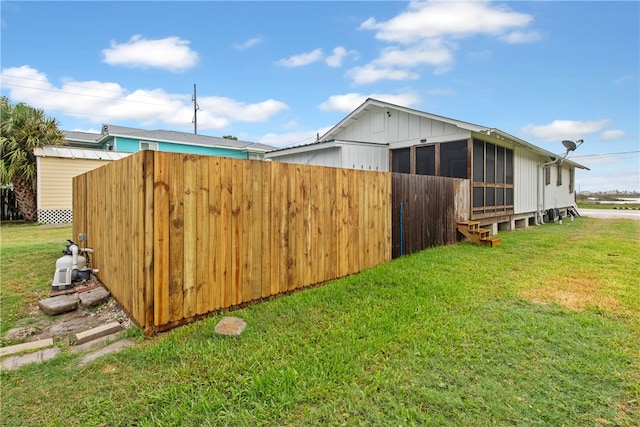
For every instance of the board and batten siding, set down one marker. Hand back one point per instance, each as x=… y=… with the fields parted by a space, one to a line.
x=524 y=180
x=55 y=176
x=530 y=187
x=396 y=127
x=330 y=156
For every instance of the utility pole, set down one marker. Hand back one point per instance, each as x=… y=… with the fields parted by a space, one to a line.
x=195 y=111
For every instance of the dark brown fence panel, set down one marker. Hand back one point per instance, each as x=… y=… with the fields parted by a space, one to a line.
x=425 y=210
x=177 y=236
x=9 y=205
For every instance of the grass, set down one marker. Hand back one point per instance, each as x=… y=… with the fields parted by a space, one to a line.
x=590 y=204
x=456 y=335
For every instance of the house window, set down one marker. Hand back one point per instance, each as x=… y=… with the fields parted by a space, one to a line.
x=559 y=177
x=426 y=160
x=547 y=175
x=401 y=160
x=147 y=145
x=453 y=159
x=572 y=179
x=492 y=179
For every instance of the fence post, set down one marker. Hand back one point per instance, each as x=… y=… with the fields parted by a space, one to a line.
x=401 y=232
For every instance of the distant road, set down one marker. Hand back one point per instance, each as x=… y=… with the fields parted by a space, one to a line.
x=610 y=213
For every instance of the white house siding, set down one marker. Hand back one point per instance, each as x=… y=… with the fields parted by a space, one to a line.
x=398 y=128
x=558 y=196
x=325 y=157
x=367 y=157
x=524 y=180
x=530 y=188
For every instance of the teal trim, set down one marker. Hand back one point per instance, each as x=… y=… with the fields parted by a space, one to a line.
x=132 y=145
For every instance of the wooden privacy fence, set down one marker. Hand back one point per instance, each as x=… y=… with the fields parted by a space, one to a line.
x=425 y=211
x=177 y=236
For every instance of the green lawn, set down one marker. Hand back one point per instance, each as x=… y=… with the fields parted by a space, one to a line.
x=542 y=330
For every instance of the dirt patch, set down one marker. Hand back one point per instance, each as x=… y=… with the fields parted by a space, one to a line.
x=574 y=292
x=39 y=325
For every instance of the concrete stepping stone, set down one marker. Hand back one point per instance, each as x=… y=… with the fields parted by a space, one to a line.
x=94 y=296
x=14 y=362
x=58 y=305
x=95 y=333
x=230 y=326
x=32 y=345
x=111 y=348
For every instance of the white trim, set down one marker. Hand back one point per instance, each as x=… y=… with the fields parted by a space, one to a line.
x=150 y=145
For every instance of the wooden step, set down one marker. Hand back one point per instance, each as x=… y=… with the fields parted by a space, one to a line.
x=491 y=241
x=468 y=225
x=480 y=236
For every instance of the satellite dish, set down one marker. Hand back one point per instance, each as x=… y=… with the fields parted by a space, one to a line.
x=569 y=145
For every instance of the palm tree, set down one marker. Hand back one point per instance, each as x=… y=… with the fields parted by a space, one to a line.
x=23 y=128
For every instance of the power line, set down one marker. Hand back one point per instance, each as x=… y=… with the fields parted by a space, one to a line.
x=66 y=85
x=89 y=95
x=606 y=154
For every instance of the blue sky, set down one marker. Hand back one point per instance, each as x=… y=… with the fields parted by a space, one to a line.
x=282 y=72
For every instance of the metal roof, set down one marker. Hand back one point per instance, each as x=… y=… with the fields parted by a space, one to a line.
x=72 y=135
x=354 y=115
x=78 y=153
x=182 y=138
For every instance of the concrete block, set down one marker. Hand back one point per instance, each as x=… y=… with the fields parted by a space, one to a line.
x=90 y=345
x=93 y=296
x=14 y=362
x=18 y=348
x=111 y=348
x=100 y=331
x=230 y=326
x=58 y=305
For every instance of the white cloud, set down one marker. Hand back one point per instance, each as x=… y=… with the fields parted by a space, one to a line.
x=350 y=101
x=335 y=60
x=612 y=134
x=371 y=73
x=427 y=32
x=518 y=37
x=248 y=43
x=430 y=52
x=171 y=53
x=436 y=19
x=102 y=102
x=565 y=129
x=302 y=59
x=292 y=139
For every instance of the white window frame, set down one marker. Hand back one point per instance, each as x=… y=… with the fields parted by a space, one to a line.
x=148 y=145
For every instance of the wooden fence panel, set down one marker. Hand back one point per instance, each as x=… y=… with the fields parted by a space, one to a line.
x=428 y=208
x=177 y=236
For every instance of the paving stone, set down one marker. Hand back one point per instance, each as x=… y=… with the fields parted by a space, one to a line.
x=111 y=348
x=14 y=362
x=230 y=326
x=32 y=345
x=90 y=345
x=100 y=331
x=58 y=305
x=93 y=296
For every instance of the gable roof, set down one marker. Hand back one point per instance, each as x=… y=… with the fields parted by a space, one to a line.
x=182 y=138
x=355 y=114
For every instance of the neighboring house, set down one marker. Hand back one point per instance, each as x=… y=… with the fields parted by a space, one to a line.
x=512 y=182
x=86 y=151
